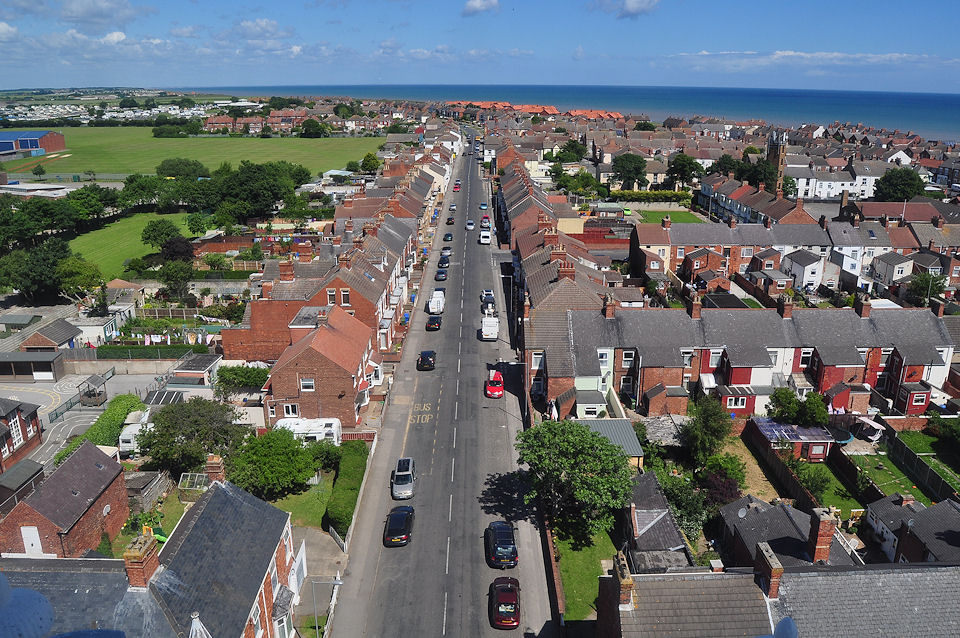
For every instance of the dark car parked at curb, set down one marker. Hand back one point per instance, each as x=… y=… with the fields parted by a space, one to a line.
x=433 y=322
x=441 y=275
x=398 y=527
x=500 y=545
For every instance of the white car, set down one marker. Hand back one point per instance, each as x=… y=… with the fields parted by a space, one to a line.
x=470 y=224
x=484 y=237
x=486 y=292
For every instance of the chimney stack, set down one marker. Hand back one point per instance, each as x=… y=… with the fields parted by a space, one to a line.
x=609 y=306
x=665 y=222
x=785 y=307
x=624 y=579
x=286 y=270
x=543 y=222
x=369 y=228
x=938 y=221
x=694 y=307
x=905 y=499
x=732 y=222
x=558 y=253
x=861 y=304
x=730 y=174
x=768 y=570
x=844 y=199
x=526 y=305
x=822 y=527
x=855 y=222
x=823 y=222
x=760 y=186
x=885 y=221
x=932 y=246
x=348 y=203
x=566 y=270
x=937 y=307
x=551 y=237
x=141 y=560
x=767 y=223
x=214 y=468
x=343 y=259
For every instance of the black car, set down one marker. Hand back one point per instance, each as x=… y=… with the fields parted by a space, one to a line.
x=451 y=221
x=448 y=237
x=398 y=527
x=433 y=322
x=444 y=262
x=500 y=545
x=427 y=360
x=441 y=275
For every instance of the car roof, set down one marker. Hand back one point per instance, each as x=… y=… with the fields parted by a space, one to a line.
x=427 y=353
x=501 y=526
x=402 y=509
x=403 y=464
x=506 y=581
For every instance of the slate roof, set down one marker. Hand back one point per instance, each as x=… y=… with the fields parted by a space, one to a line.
x=618 y=431
x=655 y=529
x=226 y=527
x=938 y=528
x=199 y=363
x=7 y=406
x=60 y=331
x=15 y=477
x=884 y=600
x=548 y=331
x=72 y=488
x=695 y=605
x=891 y=513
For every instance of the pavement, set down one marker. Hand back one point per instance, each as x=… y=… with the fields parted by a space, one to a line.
x=463 y=446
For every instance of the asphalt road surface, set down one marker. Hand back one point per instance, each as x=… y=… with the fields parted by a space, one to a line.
x=462 y=443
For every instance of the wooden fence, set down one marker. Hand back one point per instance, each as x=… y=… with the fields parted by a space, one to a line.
x=917 y=469
x=803 y=500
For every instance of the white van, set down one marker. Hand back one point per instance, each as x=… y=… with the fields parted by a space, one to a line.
x=308 y=430
x=484 y=237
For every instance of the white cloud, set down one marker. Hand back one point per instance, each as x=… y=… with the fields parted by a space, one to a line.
x=261 y=29
x=578 y=53
x=114 y=37
x=184 y=32
x=627 y=8
x=741 y=60
x=473 y=7
x=8 y=33
x=98 y=16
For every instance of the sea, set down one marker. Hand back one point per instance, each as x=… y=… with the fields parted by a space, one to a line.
x=935 y=116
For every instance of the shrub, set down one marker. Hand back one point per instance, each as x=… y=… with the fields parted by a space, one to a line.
x=679 y=197
x=729 y=466
x=106 y=429
x=149 y=352
x=346 y=487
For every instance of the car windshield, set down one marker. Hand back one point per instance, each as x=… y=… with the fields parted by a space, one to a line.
x=403 y=479
x=495 y=383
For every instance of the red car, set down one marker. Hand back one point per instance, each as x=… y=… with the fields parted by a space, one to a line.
x=456 y=188
x=493 y=386
x=504 y=600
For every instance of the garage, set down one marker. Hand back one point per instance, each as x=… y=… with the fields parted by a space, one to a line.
x=31 y=366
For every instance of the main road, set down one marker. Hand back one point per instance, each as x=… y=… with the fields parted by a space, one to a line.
x=462 y=444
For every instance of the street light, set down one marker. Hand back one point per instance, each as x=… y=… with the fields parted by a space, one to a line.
x=336 y=582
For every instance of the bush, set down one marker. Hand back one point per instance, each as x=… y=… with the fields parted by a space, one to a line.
x=679 y=197
x=228 y=274
x=346 y=487
x=149 y=352
x=326 y=455
x=729 y=466
x=106 y=429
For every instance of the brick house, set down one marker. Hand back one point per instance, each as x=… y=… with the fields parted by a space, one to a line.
x=58 y=334
x=325 y=372
x=219 y=122
x=69 y=513
x=228 y=568
x=20 y=431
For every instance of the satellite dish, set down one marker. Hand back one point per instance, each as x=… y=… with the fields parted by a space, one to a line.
x=742 y=512
x=910 y=523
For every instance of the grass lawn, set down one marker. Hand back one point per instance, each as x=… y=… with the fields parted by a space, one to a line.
x=753 y=303
x=172 y=510
x=919 y=442
x=838 y=496
x=580 y=570
x=307 y=508
x=888 y=476
x=676 y=216
x=307 y=626
x=133 y=149
x=118 y=241
x=937 y=453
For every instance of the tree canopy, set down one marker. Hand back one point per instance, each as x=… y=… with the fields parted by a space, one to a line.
x=571 y=151
x=704 y=434
x=232 y=380
x=683 y=169
x=175 y=276
x=630 y=170
x=158 y=231
x=78 y=278
x=644 y=126
x=924 y=285
x=182 y=167
x=579 y=478
x=271 y=465
x=177 y=248
x=898 y=185
x=34 y=272
x=370 y=163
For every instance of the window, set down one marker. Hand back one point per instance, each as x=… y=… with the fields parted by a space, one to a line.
x=345 y=296
x=746 y=252
x=934 y=271
x=816 y=450
x=736 y=402
x=805 y=355
x=884 y=356
x=603 y=358
x=743 y=268
x=15 y=433
x=4 y=450
x=30 y=429
x=782 y=284
x=687 y=357
x=715 y=356
x=255 y=617
x=536 y=361
x=331 y=297
x=919 y=399
x=774 y=355
x=768 y=264
x=899 y=271
x=536 y=386
x=628 y=359
x=655 y=265
x=272 y=411
x=626 y=385
x=863 y=353
x=590 y=410
x=696 y=264
x=680 y=252
x=943 y=354
x=291 y=409
x=869 y=252
x=306 y=385
x=956 y=271
x=274 y=580
x=288 y=541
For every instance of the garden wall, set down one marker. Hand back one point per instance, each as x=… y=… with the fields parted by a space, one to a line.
x=771 y=462
x=905 y=423
x=123 y=366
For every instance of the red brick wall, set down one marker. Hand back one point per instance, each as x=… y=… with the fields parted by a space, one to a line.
x=649 y=377
x=29 y=443
x=86 y=533
x=53 y=142
x=23 y=515
x=333 y=397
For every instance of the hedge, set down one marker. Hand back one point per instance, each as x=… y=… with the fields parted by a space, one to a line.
x=227 y=274
x=160 y=351
x=106 y=429
x=681 y=197
x=346 y=487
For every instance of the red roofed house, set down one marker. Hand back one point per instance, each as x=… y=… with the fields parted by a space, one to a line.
x=324 y=373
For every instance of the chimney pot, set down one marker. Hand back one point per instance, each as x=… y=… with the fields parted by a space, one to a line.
x=906 y=499
x=855 y=222
x=694 y=308
x=609 y=306
x=822 y=527
x=214 y=468
x=566 y=270
x=141 y=560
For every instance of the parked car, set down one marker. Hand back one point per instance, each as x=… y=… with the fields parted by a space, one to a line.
x=433 y=323
x=446 y=251
x=456 y=188
x=470 y=224
x=448 y=236
x=485 y=237
x=398 y=527
x=504 y=603
x=441 y=275
x=453 y=207
x=444 y=262
x=493 y=386
x=500 y=545
x=451 y=221
x=403 y=480
x=483 y=206
x=427 y=360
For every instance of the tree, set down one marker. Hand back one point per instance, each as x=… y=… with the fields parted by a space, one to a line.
x=686 y=504
x=175 y=276
x=91 y=174
x=898 y=185
x=216 y=261
x=813 y=411
x=577 y=476
x=630 y=170
x=39 y=170
x=158 y=231
x=271 y=465
x=233 y=380
x=182 y=167
x=720 y=490
x=789 y=186
x=353 y=166
x=370 y=163
x=705 y=433
x=536 y=119
x=924 y=285
x=140 y=189
x=184 y=433
x=78 y=278
x=725 y=164
x=313 y=128
x=644 y=126
x=683 y=169
x=137 y=266
x=296 y=208
x=34 y=272
x=729 y=466
x=813 y=476
x=196 y=224
x=752 y=150
x=571 y=151
x=86 y=203
x=128 y=103
x=784 y=406
x=177 y=249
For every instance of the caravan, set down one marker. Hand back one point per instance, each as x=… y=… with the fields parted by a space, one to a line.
x=308 y=430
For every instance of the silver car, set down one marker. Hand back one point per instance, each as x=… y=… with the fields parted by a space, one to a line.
x=403 y=480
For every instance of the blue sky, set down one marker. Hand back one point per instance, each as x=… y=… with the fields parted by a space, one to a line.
x=744 y=43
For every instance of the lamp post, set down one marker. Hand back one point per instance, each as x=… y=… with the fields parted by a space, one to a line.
x=336 y=582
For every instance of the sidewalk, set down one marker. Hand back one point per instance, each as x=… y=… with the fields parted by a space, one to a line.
x=324 y=560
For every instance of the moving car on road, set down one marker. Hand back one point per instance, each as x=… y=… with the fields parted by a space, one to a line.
x=484 y=237
x=427 y=360
x=456 y=188
x=448 y=237
x=500 y=545
x=398 y=527
x=493 y=386
x=433 y=323
x=470 y=224
x=504 y=602
x=441 y=275
x=483 y=206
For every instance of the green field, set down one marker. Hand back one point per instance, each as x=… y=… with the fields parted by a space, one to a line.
x=580 y=570
x=655 y=216
x=888 y=477
x=118 y=241
x=135 y=150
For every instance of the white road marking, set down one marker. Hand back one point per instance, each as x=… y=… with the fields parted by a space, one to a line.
x=458 y=387
x=458 y=366
x=446 y=569
x=454 y=438
x=453 y=464
x=444 y=613
x=456 y=409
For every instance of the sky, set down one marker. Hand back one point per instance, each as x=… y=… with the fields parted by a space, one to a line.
x=811 y=44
